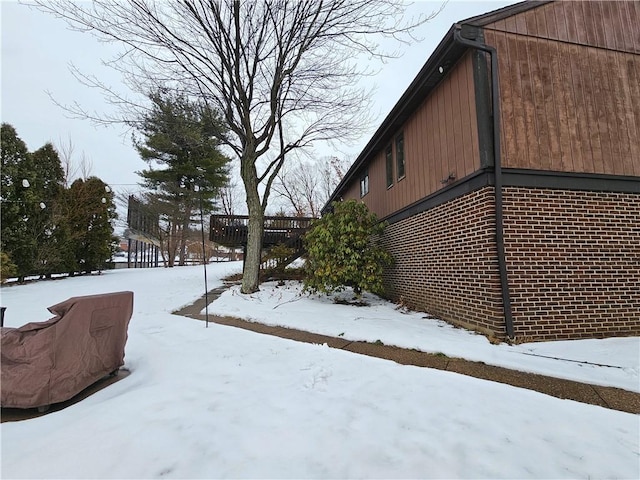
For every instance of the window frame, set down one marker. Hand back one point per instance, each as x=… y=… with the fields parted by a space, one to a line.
x=364 y=184
x=401 y=170
x=388 y=157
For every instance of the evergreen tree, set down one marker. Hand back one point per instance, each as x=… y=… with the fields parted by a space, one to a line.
x=342 y=250
x=183 y=138
x=7 y=267
x=45 y=228
x=53 y=248
x=18 y=202
x=90 y=211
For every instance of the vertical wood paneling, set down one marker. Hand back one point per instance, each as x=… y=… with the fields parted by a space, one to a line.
x=621 y=137
x=465 y=121
x=507 y=117
x=588 y=29
x=580 y=22
x=633 y=15
x=526 y=82
x=570 y=21
x=609 y=109
x=509 y=24
x=457 y=157
x=606 y=24
x=561 y=85
x=566 y=105
x=440 y=138
x=608 y=13
x=518 y=154
x=432 y=145
x=521 y=23
x=424 y=151
x=449 y=139
x=632 y=118
x=620 y=21
x=539 y=103
x=598 y=24
x=583 y=162
x=593 y=113
x=411 y=148
x=540 y=16
x=550 y=113
x=570 y=90
x=559 y=14
x=417 y=173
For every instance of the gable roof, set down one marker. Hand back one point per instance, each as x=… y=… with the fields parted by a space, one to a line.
x=445 y=55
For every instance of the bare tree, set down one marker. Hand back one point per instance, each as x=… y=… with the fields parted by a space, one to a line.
x=331 y=174
x=230 y=197
x=73 y=168
x=306 y=186
x=283 y=73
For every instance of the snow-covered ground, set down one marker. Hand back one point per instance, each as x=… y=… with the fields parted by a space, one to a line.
x=220 y=402
x=610 y=362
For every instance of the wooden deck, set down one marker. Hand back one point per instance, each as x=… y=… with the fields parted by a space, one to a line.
x=231 y=230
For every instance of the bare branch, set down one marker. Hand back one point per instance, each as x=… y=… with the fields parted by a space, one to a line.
x=285 y=74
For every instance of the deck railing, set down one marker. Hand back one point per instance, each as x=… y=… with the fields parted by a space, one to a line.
x=232 y=230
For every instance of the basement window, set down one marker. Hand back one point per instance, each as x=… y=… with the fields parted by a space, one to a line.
x=389 y=164
x=364 y=184
x=400 y=156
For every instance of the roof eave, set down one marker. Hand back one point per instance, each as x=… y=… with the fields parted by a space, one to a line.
x=504 y=12
x=445 y=55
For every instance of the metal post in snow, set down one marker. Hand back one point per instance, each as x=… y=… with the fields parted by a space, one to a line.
x=204 y=264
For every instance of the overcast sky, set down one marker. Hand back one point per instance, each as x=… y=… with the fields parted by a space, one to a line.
x=37 y=50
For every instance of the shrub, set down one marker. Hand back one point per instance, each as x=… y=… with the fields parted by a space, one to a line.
x=343 y=251
x=8 y=269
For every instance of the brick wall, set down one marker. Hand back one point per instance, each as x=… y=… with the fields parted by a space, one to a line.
x=446 y=262
x=573 y=259
x=574 y=262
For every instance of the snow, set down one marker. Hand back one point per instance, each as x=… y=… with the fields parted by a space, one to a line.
x=617 y=360
x=220 y=402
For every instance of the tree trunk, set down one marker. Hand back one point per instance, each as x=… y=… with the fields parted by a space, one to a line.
x=183 y=236
x=251 y=272
x=251 y=269
x=164 y=247
x=171 y=245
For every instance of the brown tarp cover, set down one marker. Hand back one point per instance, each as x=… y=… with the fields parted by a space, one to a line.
x=50 y=362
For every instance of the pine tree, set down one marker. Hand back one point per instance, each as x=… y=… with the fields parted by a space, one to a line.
x=183 y=137
x=90 y=211
x=52 y=252
x=18 y=202
x=46 y=228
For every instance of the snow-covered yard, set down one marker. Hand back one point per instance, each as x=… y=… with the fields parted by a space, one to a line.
x=219 y=402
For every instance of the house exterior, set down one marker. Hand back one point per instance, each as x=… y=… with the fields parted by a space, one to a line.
x=524 y=224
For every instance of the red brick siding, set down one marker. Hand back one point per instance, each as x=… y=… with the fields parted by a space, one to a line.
x=574 y=262
x=446 y=262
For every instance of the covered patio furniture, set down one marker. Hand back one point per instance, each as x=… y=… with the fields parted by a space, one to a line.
x=43 y=363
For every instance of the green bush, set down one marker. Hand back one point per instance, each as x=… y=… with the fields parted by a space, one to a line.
x=343 y=251
x=8 y=269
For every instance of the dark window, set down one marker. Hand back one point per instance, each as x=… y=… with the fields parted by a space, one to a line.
x=389 y=160
x=364 y=184
x=400 y=155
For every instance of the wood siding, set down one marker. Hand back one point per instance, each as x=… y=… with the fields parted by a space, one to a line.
x=440 y=138
x=570 y=87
